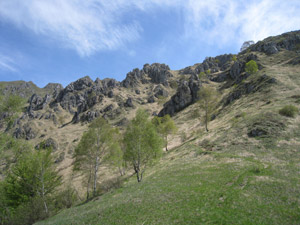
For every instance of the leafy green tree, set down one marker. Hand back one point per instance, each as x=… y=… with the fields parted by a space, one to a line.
x=10 y=106
x=94 y=148
x=207 y=99
x=165 y=126
x=142 y=143
x=251 y=67
x=11 y=150
x=33 y=178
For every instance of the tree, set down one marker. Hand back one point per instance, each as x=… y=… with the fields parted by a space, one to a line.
x=93 y=149
x=165 y=126
x=207 y=100
x=246 y=45
x=11 y=150
x=33 y=177
x=142 y=143
x=10 y=106
x=251 y=67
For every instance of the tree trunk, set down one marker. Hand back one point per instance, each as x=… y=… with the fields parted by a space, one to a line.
x=95 y=176
x=88 y=186
x=206 y=117
x=43 y=191
x=45 y=205
x=166 y=142
x=139 y=176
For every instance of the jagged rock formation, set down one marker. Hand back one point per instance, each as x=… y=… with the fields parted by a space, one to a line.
x=186 y=94
x=158 y=73
x=86 y=99
x=272 y=45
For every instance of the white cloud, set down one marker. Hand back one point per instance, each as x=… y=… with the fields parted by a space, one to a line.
x=221 y=22
x=90 y=26
x=86 y=26
x=7 y=63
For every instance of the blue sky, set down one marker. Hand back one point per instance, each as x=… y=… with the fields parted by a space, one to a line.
x=63 y=40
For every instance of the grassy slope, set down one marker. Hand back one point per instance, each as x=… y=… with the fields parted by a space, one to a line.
x=241 y=181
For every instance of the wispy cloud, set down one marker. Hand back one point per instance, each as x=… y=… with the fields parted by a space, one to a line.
x=7 y=64
x=86 y=26
x=90 y=26
x=220 y=22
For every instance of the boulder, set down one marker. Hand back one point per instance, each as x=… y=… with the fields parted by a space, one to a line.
x=128 y=103
x=160 y=91
x=49 y=143
x=151 y=99
x=25 y=131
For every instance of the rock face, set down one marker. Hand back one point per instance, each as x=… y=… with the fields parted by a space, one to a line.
x=214 y=64
x=288 y=41
x=37 y=103
x=158 y=74
x=186 y=94
x=160 y=91
x=133 y=78
x=250 y=87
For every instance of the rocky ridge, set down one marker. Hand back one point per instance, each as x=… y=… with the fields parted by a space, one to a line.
x=155 y=87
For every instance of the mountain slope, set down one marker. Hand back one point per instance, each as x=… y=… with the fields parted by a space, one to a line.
x=245 y=170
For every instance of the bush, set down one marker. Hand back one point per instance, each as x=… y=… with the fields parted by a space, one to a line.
x=201 y=75
x=251 y=67
x=289 y=111
x=234 y=58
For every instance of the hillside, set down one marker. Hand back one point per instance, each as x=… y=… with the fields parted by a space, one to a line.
x=245 y=170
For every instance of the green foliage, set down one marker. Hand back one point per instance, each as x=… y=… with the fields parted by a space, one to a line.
x=207 y=99
x=93 y=149
x=165 y=126
x=11 y=150
x=234 y=58
x=66 y=198
x=217 y=61
x=29 y=186
x=289 y=111
x=251 y=67
x=208 y=72
x=201 y=75
x=143 y=145
x=11 y=106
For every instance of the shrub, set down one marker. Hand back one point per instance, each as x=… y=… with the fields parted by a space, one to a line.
x=234 y=58
x=208 y=72
x=201 y=75
x=289 y=111
x=251 y=67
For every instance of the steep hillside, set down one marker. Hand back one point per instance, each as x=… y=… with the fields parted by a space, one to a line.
x=245 y=170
